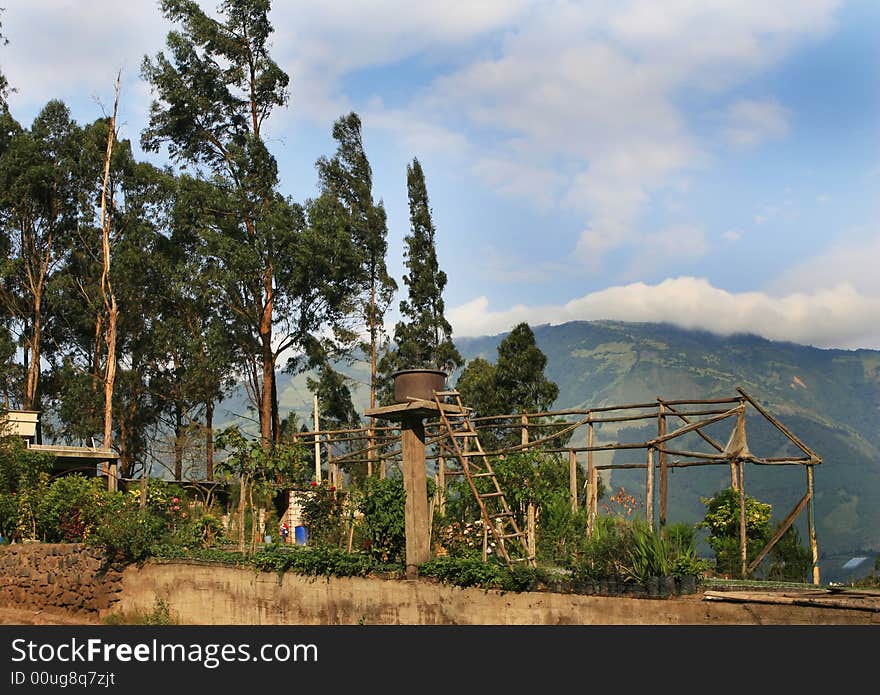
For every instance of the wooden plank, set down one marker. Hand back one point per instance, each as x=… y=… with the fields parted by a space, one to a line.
x=572 y=480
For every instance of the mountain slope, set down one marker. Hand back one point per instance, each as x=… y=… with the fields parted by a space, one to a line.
x=829 y=398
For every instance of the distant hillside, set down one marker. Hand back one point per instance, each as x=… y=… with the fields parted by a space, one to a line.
x=829 y=398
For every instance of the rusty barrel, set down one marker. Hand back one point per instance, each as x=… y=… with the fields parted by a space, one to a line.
x=418 y=383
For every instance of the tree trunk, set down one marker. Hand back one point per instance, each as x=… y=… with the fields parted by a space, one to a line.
x=242 y=504
x=178 y=442
x=209 y=440
x=32 y=381
x=107 y=293
x=276 y=420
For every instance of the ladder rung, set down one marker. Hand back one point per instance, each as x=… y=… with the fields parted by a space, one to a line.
x=482 y=475
x=492 y=494
x=446 y=393
x=465 y=433
x=500 y=515
x=513 y=535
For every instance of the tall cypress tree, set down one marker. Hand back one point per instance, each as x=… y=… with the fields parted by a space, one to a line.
x=424 y=338
x=347 y=179
x=4 y=85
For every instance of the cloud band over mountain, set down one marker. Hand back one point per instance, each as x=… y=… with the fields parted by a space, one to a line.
x=839 y=316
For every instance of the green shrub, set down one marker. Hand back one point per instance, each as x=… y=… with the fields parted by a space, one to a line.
x=325 y=514
x=604 y=554
x=128 y=532
x=314 y=560
x=71 y=507
x=384 y=522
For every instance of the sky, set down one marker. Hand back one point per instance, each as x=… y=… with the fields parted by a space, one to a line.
x=710 y=163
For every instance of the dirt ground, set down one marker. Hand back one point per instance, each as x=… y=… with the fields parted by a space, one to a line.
x=29 y=616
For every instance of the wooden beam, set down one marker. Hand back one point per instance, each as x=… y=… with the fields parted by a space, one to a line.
x=572 y=480
x=787 y=522
x=782 y=428
x=693 y=426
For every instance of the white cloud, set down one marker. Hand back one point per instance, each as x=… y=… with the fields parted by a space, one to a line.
x=592 y=89
x=731 y=235
x=837 y=316
x=852 y=260
x=750 y=121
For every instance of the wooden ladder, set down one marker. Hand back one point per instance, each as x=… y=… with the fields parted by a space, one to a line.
x=495 y=511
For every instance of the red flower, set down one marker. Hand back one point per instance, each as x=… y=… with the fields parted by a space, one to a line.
x=332 y=488
x=313 y=483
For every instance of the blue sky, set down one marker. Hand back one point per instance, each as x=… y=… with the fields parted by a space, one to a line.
x=715 y=163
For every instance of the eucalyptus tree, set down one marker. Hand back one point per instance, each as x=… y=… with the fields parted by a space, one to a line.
x=138 y=202
x=214 y=91
x=423 y=339
x=193 y=330
x=38 y=214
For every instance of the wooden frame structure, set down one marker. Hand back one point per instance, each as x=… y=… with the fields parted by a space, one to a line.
x=675 y=419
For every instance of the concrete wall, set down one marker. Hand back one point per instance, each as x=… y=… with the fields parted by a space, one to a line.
x=74 y=579
x=214 y=595
x=64 y=576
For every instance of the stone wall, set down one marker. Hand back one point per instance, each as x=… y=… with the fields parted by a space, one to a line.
x=65 y=576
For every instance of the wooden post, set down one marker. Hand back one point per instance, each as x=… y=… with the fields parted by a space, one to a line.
x=332 y=468
x=485 y=541
x=734 y=477
x=572 y=479
x=112 y=477
x=532 y=522
x=531 y=516
x=317 y=441
x=418 y=548
x=441 y=484
x=814 y=548
x=743 y=539
x=593 y=485
x=664 y=471
x=649 y=489
x=371 y=442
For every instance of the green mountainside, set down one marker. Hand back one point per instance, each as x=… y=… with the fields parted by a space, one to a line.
x=830 y=399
